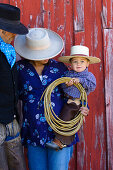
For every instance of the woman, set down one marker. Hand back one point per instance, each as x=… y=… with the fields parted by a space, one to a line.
x=35 y=74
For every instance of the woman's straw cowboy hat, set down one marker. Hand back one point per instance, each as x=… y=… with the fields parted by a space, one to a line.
x=38 y=44
x=79 y=51
x=10 y=19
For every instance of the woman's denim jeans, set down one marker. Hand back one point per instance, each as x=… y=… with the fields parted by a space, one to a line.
x=48 y=159
x=11 y=151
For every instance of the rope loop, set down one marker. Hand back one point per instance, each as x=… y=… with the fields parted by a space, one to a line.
x=65 y=128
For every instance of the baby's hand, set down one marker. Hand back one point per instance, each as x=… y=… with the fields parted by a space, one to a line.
x=84 y=111
x=76 y=80
x=69 y=83
x=72 y=81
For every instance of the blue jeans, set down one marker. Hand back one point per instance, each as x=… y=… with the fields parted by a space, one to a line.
x=48 y=159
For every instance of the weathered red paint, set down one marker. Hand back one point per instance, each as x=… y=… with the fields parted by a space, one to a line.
x=90 y=23
x=4 y=1
x=93 y=152
x=108 y=13
x=108 y=58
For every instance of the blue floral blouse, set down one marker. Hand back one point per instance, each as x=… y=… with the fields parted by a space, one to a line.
x=35 y=129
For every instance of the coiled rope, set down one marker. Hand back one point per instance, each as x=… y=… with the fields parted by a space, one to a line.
x=65 y=128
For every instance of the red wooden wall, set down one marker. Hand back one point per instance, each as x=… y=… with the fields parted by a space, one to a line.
x=90 y=23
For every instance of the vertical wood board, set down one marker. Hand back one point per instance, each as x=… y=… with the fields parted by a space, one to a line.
x=91 y=151
x=108 y=62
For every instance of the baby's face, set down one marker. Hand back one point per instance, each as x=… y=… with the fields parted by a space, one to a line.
x=79 y=64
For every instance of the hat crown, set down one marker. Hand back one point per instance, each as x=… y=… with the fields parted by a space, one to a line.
x=10 y=19
x=9 y=12
x=79 y=50
x=36 y=33
x=37 y=39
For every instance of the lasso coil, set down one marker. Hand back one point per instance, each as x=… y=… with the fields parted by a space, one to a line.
x=66 y=128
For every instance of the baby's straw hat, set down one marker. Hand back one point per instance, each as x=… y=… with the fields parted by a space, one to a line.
x=79 y=51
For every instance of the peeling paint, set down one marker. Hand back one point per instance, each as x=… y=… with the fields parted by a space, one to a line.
x=100 y=68
x=111 y=23
x=99 y=142
x=104 y=15
x=81 y=152
x=108 y=13
x=36 y=22
x=96 y=36
x=31 y=18
x=49 y=20
x=99 y=124
x=79 y=16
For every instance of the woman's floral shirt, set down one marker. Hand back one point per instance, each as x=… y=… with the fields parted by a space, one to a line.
x=35 y=129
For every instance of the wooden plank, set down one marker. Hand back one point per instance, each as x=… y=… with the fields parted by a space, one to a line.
x=5 y=1
x=78 y=22
x=108 y=63
x=48 y=14
x=107 y=14
x=52 y=17
x=68 y=26
x=58 y=16
x=91 y=151
x=31 y=13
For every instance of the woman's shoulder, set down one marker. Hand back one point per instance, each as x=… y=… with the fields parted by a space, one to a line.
x=58 y=64
x=21 y=64
x=23 y=61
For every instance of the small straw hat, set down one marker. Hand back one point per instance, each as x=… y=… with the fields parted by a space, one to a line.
x=79 y=51
x=38 y=44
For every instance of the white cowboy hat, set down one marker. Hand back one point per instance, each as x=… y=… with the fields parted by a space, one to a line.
x=38 y=44
x=79 y=51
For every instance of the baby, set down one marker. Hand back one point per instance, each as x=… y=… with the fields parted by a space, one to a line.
x=79 y=60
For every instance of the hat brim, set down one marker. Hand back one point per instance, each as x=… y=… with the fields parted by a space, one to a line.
x=56 y=46
x=92 y=60
x=16 y=28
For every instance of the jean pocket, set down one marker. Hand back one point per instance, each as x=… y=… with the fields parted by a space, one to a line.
x=13 y=128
